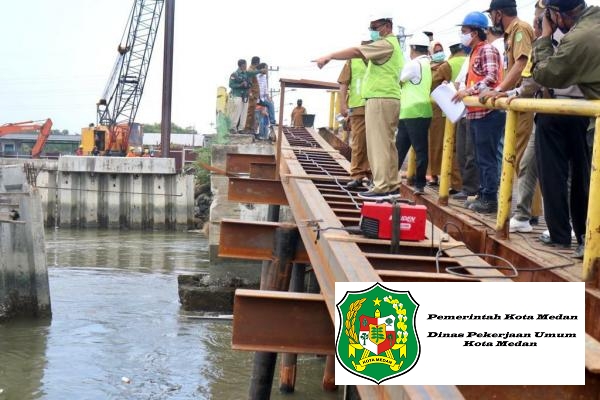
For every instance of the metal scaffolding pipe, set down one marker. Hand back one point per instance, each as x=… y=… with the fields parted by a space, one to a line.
x=447 y=158
x=591 y=259
x=508 y=171
x=165 y=126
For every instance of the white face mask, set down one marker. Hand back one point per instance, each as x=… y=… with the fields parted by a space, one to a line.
x=466 y=39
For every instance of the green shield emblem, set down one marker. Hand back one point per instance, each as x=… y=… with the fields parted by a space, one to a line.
x=377 y=339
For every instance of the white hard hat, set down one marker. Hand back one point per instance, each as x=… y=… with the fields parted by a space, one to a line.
x=381 y=14
x=419 y=39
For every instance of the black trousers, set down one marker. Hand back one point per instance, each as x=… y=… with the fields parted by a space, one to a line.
x=465 y=154
x=414 y=131
x=560 y=143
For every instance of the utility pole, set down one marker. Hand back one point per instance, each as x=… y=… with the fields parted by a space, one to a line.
x=402 y=37
x=165 y=128
x=271 y=91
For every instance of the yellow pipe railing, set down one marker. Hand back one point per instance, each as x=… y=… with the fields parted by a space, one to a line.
x=333 y=104
x=591 y=258
x=507 y=174
x=447 y=158
x=586 y=108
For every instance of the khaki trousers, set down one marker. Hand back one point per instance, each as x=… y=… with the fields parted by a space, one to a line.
x=381 y=121
x=251 y=123
x=359 y=162
x=436 y=142
x=238 y=110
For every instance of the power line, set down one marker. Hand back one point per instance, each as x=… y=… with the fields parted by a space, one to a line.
x=443 y=15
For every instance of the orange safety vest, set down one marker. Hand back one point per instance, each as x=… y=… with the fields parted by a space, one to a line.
x=473 y=78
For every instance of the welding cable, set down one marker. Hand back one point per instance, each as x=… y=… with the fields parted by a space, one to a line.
x=334 y=178
x=458 y=229
x=452 y=269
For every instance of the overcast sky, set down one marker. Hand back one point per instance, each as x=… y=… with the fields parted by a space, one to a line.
x=57 y=55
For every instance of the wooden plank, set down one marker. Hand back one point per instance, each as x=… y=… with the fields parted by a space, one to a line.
x=592 y=354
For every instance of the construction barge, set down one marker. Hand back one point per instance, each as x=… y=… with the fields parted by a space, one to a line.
x=308 y=175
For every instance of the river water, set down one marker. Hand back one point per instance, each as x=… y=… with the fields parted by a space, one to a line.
x=117 y=330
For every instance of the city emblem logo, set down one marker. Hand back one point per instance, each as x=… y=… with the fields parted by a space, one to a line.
x=377 y=338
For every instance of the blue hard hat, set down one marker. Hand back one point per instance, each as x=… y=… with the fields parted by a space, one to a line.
x=475 y=19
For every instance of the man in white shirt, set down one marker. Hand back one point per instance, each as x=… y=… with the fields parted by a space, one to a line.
x=416 y=110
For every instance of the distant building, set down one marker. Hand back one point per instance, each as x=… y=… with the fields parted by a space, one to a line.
x=183 y=139
x=20 y=144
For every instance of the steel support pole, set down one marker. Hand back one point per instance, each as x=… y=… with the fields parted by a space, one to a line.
x=277 y=278
x=165 y=125
x=287 y=374
x=272 y=216
x=332 y=121
x=508 y=172
x=280 y=130
x=447 y=159
x=329 y=375
x=591 y=259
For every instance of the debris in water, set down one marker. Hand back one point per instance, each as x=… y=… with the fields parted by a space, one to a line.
x=125 y=380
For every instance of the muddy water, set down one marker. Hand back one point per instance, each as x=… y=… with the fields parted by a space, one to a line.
x=117 y=330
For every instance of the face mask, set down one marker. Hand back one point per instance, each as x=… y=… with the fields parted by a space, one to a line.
x=466 y=39
x=438 y=57
x=375 y=35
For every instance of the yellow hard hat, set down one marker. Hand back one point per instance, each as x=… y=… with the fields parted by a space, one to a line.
x=81 y=146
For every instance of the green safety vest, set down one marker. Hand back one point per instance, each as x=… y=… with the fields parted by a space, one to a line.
x=358 y=68
x=381 y=81
x=415 y=100
x=455 y=65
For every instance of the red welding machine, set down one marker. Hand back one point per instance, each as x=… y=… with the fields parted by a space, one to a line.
x=376 y=220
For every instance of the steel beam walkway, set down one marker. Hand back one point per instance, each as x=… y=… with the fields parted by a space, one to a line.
x=312 y=178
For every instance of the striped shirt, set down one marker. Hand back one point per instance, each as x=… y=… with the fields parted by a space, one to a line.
x=263 y=86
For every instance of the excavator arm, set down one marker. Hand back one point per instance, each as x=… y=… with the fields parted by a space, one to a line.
x=42 y=139
x=28 y=126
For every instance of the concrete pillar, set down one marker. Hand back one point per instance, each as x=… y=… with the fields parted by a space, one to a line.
x=184 y=201
x=147 y=204
x=89 y=186
x=24 y=288
x=136 y=198
x=65 y=186
x=159 y=201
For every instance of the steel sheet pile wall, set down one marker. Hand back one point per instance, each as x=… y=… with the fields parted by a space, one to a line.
x=116 y=192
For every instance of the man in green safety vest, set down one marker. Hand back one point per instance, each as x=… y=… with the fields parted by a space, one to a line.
x=381 y=92
x=416 y=112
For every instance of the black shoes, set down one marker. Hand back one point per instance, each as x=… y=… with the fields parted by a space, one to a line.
x=484 y=206
x=419 y=191
x=372 y=195
x=547 y=241
x=358 y=183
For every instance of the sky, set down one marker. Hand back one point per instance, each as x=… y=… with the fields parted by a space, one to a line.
x=57 y=55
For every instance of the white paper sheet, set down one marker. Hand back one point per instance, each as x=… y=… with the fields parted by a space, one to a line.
x=442 y=95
